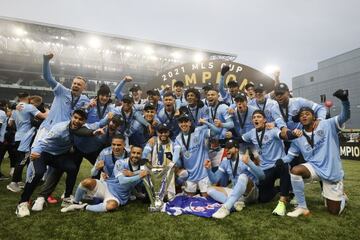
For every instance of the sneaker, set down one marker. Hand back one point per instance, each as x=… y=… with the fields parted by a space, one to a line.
x=39 y=204
x=74 y=207
x=299 y=211
x=21 y=185
x=52 y=200
x=280 y=209
x=221 y=213
x=239 y=205
x=14 y=187
x=132 y=197
x=67 y=201
x=22 y=210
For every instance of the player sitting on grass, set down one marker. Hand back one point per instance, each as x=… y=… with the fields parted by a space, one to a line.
x=114 y=191
x=242 y=172
x=320 y=147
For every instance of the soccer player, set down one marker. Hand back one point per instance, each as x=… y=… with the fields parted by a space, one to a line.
x=269 y=145
x=136 y=93
x=105 y=162
x=250 y=90
x=114 y=191
x=218 y=114
x=319 y=144
x=65 y=101
x=100 y=106
x=155 y=98
x=22 y=117
x=268 y=106
x=3 y=123
x=179 y=94
x=161 y=151
x=52 y=150
x=168 y=114
x=140 y=133
x=233 y=87
x=194 y=152
x=195 y=108
x=244 y=176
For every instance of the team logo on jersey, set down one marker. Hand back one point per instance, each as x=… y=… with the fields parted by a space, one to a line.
x=320 y=133
x=308 y=147
x=267 y=112
x=196 y=140
x=266 y=138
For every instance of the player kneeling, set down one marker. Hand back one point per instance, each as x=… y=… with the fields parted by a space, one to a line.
x=244 y=175
x=113 y=191
x=320 y=147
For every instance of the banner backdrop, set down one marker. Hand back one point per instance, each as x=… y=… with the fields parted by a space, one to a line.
x=199 y=74
x=350 y=150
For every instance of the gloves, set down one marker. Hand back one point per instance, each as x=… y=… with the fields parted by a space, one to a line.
x=341 y=94
x=279 y=162
x=224 y=70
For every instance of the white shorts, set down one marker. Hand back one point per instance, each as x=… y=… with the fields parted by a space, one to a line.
x=332 y=191
x=202 y=184
x=101 y=190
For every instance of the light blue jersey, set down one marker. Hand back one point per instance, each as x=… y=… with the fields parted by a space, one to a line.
x=96 y=113
x=22 y=119
x=293 y=108
x=57 y=141
x=243 y=121
x=25 y=143
x=228 y=167
x=220 y=112
x=324 y=155
x=64 y=102
x=120 y=186
x=271 y=109
x=180 y=102
x=109 y=159
x=193 y=155
x=268 y=144
x=196 y=113
x=3 y=122
x=170 y=120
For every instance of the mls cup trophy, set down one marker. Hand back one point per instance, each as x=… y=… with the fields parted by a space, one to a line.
x=158 y=181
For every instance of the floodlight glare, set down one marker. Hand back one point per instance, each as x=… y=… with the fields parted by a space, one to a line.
x=19 y=31
x=176 y=55
x=271 y=69
x=94 y=42
x=198 y=57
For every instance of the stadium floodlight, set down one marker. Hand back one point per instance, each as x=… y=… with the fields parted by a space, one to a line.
x=148 y=50
x=271 y=70
x=94 y=42
x=20 y=32
x=198 y=57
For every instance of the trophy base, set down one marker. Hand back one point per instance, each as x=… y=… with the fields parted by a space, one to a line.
x=155 y=209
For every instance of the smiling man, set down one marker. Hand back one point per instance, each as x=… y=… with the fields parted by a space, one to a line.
x=53 y=150
x=319 y=144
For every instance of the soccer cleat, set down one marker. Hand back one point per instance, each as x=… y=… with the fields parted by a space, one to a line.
x=22 y=210
x=74 y=207
x=52 y=200
x=14 y=187
x=280 y=209
x=298 y=212
x=39 y=204
x=221 y=213
x=239 y=205
x=67 y=201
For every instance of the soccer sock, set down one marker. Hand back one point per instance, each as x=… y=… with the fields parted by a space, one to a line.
x=297 y=183
x=237 y=191
x=79 y=194
x=96 y=208
x=217 y=195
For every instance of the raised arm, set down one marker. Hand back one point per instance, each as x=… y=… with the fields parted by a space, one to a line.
x=47 y=71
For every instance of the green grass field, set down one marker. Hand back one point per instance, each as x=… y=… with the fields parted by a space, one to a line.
x=135 y=222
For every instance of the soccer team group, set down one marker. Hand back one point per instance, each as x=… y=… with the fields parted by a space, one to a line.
x=235 y=146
